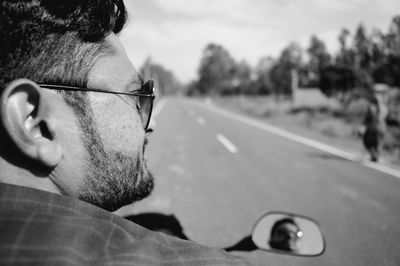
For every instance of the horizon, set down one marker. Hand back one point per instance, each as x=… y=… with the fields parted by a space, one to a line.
x=175 y=36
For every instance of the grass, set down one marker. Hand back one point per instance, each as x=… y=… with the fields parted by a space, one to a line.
x=327 y=123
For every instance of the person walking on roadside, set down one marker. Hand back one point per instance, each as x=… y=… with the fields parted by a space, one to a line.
x=375 y=126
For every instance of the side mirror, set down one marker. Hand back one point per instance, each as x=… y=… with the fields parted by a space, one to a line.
x=289 y=234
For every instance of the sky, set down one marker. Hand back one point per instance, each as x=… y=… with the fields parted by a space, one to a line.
x=174 y=33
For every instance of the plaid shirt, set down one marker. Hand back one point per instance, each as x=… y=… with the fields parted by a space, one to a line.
x=41 y=228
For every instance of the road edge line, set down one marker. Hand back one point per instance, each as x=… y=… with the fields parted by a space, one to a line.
x=300 y=139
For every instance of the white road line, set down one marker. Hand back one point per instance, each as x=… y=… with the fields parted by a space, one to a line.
x=227 y=143
x=157 y=109
x=382 y=168
x=302 y=140
x=201 y=121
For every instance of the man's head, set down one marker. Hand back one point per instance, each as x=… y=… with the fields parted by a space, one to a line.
x=284 y=234
x=87 y=145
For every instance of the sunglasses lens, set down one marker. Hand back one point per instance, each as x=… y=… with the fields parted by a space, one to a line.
x=146 y=103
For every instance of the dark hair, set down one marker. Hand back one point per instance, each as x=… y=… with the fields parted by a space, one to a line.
x=281 y=222
x=55 y=41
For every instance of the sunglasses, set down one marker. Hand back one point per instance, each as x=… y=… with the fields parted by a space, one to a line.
x=144 y=104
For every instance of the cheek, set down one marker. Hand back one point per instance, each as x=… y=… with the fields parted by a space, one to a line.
x=119 y=125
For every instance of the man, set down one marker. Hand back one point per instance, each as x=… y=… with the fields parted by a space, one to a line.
x=375 y=125
x=285 y=234
x=74 y=117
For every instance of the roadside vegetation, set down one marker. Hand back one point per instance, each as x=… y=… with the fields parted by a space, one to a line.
x=274 y=89
x=326 y=123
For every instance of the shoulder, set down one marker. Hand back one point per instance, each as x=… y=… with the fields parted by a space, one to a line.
x=87 y=240
x=38 y=228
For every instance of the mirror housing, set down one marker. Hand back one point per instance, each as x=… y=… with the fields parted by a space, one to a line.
x=288 y=233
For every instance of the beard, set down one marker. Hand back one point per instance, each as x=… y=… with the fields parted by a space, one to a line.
x=113 y=178
x=116 y=179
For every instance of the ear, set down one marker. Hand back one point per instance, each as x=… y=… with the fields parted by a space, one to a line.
x=26 y=117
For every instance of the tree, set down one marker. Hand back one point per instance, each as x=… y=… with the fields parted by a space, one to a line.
x=191 y=89
x=379 y=57
x=363 y=64
x=393 y=37
x=392 y=65
x=386 y=55
x=346 y=55
x=216 y=71
x=165 y=81
x=351 y=75
x=281 y=77
x=362 y=49
x=338 y=81
x=263 y=83
x=242 y=82
x=319 y=59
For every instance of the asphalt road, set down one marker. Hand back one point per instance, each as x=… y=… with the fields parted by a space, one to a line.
x=217 y=175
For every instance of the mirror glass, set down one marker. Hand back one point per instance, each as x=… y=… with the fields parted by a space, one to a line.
x=288 y=233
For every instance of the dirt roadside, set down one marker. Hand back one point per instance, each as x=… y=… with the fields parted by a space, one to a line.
x=320 y=126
